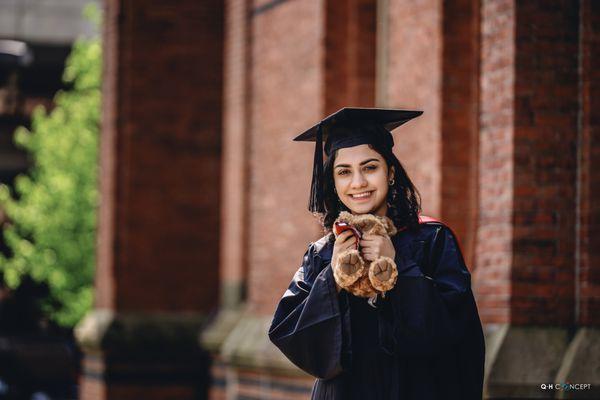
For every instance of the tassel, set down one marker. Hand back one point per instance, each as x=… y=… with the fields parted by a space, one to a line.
x=372 y=301
x=316 y=200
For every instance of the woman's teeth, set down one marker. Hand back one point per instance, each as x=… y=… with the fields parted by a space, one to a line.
x=361 y=195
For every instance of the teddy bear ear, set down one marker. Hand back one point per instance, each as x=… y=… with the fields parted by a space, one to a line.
x=344 y=216
x=364 y=221
x=386 y=223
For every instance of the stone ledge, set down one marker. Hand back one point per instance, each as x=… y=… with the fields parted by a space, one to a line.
x=241 y=340
x=581 y=364
x=137 y=336
x=217 y=331
x=519 y=359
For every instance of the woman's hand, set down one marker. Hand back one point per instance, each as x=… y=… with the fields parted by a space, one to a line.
x=374 y=246
x=345 y=240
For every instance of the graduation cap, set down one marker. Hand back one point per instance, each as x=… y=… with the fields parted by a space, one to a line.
x=349 y=127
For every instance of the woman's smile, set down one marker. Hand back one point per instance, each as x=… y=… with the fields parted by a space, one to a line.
x=362 y=196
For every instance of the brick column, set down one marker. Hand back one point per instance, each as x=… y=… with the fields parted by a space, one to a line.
x=589 y=176
x=428 y=58
x=234 y=214
x=157 y=270
x=290 y=100
x=581 y=362
x=494 y=251
x=279 y=73
x=350 y=54
x=234 y=197
x=460 y=121
x=526 y=249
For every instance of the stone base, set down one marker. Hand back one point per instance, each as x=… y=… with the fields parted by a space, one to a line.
x=581 y=365
x=522 y=362
x=149 y=356
x=521 y=359
x=219 y=328
x=245 y=362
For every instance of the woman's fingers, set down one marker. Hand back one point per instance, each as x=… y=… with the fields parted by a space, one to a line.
x=371 y=241
x=370 y=248
x=368 y=236
x=369 y=244
x=342 y=237
x=348 y=245
x=345 y=240
x=369 y=256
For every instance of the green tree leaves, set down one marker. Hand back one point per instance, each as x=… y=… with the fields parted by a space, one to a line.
x=52 y=213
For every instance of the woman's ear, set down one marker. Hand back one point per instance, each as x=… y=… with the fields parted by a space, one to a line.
x=391 y=173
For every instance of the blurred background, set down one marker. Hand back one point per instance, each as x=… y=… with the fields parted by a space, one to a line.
x=153 y=205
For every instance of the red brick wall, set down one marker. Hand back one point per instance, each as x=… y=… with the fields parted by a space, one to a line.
x=92 y=387
x=287 y=97
x=326 y=62
x=494 y=236
x=589 y=261
x=460 y=121
x=350 y=46
x=545 y=163
x=160 y=160
x=414 y=50
x=495 y=154
x=159 y=207
x=234 y=211
x=104 y=282
x=528 y=163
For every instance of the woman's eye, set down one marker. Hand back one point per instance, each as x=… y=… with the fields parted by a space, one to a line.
x=371 y=167
x=343 y=172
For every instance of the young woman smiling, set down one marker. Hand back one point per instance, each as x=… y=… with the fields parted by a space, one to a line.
x=423 y=340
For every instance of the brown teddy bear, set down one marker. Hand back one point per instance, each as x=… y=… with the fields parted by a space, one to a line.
x=350 y=270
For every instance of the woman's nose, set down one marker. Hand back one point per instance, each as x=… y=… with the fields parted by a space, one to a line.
x=358 y=181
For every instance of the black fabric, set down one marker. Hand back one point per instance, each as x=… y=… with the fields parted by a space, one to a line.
x=388 y=118
x=422 y=341
x=357 y=134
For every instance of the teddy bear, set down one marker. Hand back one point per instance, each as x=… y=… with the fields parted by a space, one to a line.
x=352 y=272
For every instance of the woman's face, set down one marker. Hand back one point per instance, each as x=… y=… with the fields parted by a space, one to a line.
x=361 y=179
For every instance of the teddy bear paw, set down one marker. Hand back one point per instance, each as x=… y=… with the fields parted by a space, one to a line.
x=348 y=268
x=383 y=274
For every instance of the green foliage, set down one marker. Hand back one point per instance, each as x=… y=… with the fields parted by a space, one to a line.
x=52 y=214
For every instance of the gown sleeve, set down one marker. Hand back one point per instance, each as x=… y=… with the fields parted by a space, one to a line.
x=431 y=309
x=311 y=322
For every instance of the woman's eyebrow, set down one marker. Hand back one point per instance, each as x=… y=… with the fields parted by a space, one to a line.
x=362 y=163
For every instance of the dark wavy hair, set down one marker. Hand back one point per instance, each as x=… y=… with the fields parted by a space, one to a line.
x=404 y=201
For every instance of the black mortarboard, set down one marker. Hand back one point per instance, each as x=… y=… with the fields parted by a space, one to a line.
x=349 y=127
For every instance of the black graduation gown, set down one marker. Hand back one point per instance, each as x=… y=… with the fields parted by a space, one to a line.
x=422 y=341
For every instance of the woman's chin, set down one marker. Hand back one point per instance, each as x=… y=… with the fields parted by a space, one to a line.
x=367 y=208
x=361 y=208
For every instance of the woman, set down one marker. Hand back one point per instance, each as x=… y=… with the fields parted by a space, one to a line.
x=423 y=340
